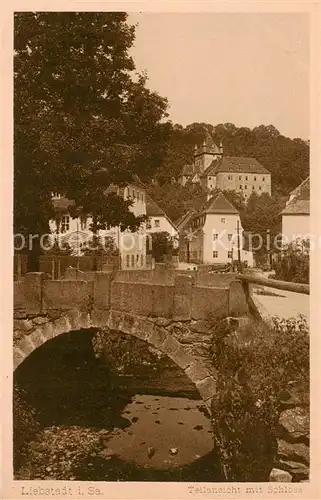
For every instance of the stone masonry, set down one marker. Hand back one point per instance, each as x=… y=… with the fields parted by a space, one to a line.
x=171 y=317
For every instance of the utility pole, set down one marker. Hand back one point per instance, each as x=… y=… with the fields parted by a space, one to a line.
x=239 y=248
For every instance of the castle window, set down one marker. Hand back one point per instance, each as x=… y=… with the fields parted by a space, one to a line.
x=142 y=197
x=127 y=261
x=133 y=260
x=240 y=186
x=83 y=224
x=246 y=178
x=65 y=223
x=255 y=178
x=260 y=188
x=240 y=177
x=230 y=254
x=229 y=177
x=134 y=195
x=211 y=178
x=215 y=254
x=229 y=237
x=223 y=220
x=215 y=236
x=263 y=179
x=157 y=223
x=142 y=260
x=245 y=187
x=148 y=225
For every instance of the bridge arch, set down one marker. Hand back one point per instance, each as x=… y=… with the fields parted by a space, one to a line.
x=30 y=334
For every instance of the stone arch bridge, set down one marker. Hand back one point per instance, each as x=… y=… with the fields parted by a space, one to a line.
x=165 y=308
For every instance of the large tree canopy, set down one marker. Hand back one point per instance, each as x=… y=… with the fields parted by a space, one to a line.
x=83 y=119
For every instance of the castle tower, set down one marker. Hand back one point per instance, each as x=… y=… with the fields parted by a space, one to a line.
x=206 y=153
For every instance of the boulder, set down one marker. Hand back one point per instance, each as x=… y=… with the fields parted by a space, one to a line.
x=280 y=476
x=296 y=423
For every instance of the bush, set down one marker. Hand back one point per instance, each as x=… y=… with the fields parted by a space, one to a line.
x=295 y=263
x=256 y=366
x=25 y=425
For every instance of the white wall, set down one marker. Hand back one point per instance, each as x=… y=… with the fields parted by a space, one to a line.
x=294 y=227
x=132 y=246
x=214 y=224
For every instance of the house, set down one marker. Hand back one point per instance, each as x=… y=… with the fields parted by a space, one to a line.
x=296 y=214
x=210 y=235
x=213 y=170
x=77 y=233
x=158 y=221
x=237 y=173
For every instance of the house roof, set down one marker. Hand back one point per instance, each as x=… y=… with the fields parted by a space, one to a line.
x=236 y=164
x=303 y=190
x=184 y=220
x=218 y=204
x=187 y=170
x=153 y=210
x=300 y=200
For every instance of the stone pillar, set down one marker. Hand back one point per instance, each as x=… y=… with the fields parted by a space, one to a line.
x=102 y=290
x=33 y=285
x=71 y=273
x=182 y=310
x=237 y=299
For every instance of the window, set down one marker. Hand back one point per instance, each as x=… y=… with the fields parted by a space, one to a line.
x=125 y=193
x=134 y=195
x=260 y=188
x=230 y=254
x=83 y=224
x=223 y=220
x=240 y=177
x=133 y=260
x=215 y=254
x=127 y=261
x=229 y=236
x=65 y=221
x=56 y=196
x=157 y=223
x=142 y=260
x=240 y=186
x=263 y=179
x=215 y=236
x=245 y=187
x=148 y=225
x=229 y=177
x=253 y=187
x=142 y=197
x=209 y=178
x=254 y=178
x=246 y=178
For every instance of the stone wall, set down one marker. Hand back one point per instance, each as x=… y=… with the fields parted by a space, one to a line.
x=293 y=453
x=176 y=296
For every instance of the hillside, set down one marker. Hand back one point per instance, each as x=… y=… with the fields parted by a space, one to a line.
x=287 y=159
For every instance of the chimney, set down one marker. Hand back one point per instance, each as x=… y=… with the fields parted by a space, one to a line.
x=221 y=148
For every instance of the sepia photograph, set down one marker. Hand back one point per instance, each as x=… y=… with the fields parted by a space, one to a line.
x=162 y=244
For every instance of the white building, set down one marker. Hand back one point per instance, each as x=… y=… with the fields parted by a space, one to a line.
x=296 y=214
x=210 y=236
x=213 y=170
x=158 y=221
x=77 y=233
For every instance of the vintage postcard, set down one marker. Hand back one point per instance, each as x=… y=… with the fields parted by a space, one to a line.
x=160 y=316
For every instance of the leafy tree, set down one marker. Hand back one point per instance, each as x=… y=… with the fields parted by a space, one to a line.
x=295 y=262
x=83 y=121
x=261 y=216
x=161 y=244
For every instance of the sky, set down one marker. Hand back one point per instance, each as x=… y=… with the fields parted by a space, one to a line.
x=243 y=68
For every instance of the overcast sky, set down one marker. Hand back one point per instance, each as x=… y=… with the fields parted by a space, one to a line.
x=244 y=68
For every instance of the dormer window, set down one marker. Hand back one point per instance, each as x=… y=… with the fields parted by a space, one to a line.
x=55 y=196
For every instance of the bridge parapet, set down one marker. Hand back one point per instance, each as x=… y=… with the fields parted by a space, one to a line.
x=182 y=299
